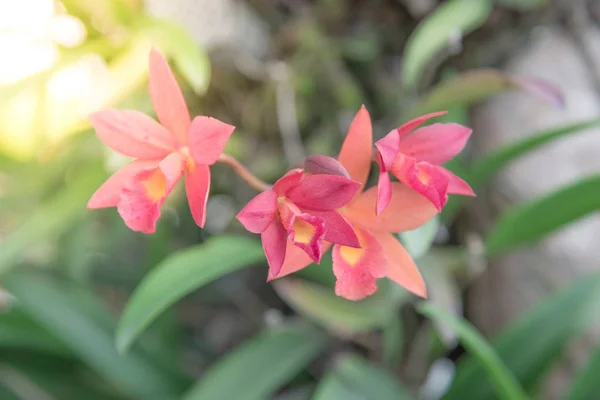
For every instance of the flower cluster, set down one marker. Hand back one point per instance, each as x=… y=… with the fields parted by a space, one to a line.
x=306 y=211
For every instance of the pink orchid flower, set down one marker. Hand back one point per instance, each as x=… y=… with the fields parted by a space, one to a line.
x=163 y=152
x=299 y=211
x=416 y=158
x=380 y=254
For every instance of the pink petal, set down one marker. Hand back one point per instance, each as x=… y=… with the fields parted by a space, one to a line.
x=337 y=229
x=413 y=124
x=401 y=267
x=274 y=242
x=295 y=260
x=357 y=148
x=306 y=231
x=288 y=181
x=109 y=193
x=437 y=143
x=207 y=138
x=457 y=185
x=323 y=192
x=167 y=98
x=324 y=165
x=197 y=187
x=143 y=194
x=258 y=214
x=407 y=210
x=388 y=148
x=427 y=179
x=356 y=270
x=384 y=187
x=132 y=133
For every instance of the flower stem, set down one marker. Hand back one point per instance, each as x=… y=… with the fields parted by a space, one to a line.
x=244 y=173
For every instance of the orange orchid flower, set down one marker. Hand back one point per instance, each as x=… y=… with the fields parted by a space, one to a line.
x=381 y=254
x=163 y=153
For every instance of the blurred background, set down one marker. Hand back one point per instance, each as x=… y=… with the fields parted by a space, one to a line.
x=91 y=310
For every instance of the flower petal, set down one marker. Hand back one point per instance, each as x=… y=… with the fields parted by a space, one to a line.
x=132 y=133
x=407 y=210
x=437 y=143
x=143 y=194
x=388 y=148
x=401 y=267
x=384 y=188
x=274 y=242
x=357 y=148
x=357 y=269
x=167 y=98
x=288 y=181
x=295 y=260
x=323 y=192
x=414 y=123
x=108 y=195
x=258 y=214
x=324 y=165
x=427 y=179
x=337 y=229
x=207 y=138
x=197 y=187
x=458 y=185
x=306 y=231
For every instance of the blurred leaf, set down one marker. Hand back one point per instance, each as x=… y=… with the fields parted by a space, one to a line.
x=526 y=223
x=393 y=341
x=260 y=366
x=321 y=273
x=451 y=18
x=51 y=219
x=471 y=87
x=529 y=345
x=342 y=316
x=7 y=394
x=489 y=165
x=76 y=326
x=523 y=5
x=191 y=60
x=354 y=378
x=504 y=382
x=17 y=330
x=180 y=274
x=418 y=241
x=586 y=384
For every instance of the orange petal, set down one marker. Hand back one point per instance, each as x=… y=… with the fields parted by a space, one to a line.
x=407 y=210
x=197 y=187
x=295 y=260
x=357 y=269
x=401 y=267
x=357 y=148
x=132 y=133
x=167 y=98
x=145 y=192
x=109 y=193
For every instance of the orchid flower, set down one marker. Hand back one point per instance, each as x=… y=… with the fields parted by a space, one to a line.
x=163 y=153
x=380 y=254
x=416 y=158
x=299 y=211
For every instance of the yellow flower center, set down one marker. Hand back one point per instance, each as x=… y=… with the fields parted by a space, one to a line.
x=155 y=186
x=353 y=255
x=303 y=231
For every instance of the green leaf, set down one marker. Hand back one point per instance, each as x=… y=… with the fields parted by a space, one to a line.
x=418 y=241
x=321 y=273
x=17 y=330
x=529 y=222
x=464 y=90
x=586 y=384
x=393 y=341
x=179 y=275
x=504 y=382
x=354 y=378
x=50 y=219
x=260 y=366
x=343 y=317
x=530 y=345
x=436 y=30
x=71 y=320
x=190 y=59
x=523 y=5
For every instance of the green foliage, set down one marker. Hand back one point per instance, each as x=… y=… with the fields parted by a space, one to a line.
x=586 y=384
x=179 y=275
x=257 y=368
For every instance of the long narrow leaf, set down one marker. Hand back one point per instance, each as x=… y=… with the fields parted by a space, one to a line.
x=179 y=275
x=586 y=384
x=257 y=368
x=504 y=382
